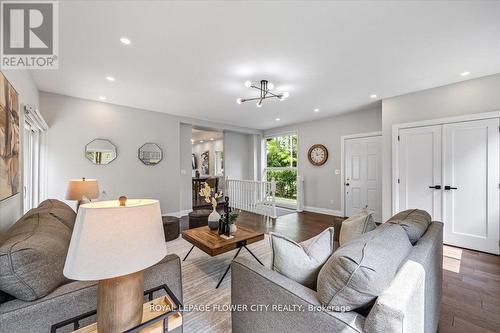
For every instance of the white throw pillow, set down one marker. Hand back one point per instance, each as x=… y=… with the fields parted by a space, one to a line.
x=356 y=225
x=301 y=262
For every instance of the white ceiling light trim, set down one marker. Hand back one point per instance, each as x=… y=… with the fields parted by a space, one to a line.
x=125 y=40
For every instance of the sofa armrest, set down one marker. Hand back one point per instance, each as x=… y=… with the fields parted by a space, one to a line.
x=76 y=298
x=266 y=301
x=400 y=308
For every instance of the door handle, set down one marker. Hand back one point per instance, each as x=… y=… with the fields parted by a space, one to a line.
x=437 y=187
x=447 y=188
x=346 y=184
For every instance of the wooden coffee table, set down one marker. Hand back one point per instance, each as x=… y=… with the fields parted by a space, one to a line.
x=212 y=244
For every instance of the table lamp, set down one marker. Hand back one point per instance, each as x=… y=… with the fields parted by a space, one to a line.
x=113 y=242
x=80 y=188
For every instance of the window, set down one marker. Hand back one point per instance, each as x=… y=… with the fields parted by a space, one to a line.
x=34 y=126
x=281 y=152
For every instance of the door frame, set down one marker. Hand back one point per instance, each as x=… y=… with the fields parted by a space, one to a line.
x=438 y=121
x=342 y=163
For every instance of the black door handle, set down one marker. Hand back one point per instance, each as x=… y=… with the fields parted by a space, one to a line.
x=447 y=188
x=437 y=187
x=346 y=184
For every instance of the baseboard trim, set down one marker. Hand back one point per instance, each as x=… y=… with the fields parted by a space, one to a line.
x=323 y=211
x=180 y=213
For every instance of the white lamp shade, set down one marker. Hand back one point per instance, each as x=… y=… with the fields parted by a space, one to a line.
x=79 y=188
x=110 y=241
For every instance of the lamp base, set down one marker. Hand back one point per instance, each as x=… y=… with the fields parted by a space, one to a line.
x=119 y=302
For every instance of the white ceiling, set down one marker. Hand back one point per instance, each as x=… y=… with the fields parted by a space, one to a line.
x=191 y=58
x=202 y=135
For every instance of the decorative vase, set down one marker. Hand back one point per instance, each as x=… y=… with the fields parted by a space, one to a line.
x=213 y=220
x=233 y=228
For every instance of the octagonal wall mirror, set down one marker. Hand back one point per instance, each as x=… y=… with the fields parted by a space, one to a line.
x=150 y=154
x=100 y=151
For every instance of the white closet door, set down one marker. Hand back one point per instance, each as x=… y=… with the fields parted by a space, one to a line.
x=471 y=174
x=420 y=169
x=363 y=175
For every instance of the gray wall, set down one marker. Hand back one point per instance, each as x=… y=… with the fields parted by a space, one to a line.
x=12 y=208
x=238 y=162
x=75 y=122
x=473 y=96
x=322 y=185
x=185 y=167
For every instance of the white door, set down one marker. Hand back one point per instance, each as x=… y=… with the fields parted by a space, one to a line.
x=471 y=184
x=363 y=175
x=420 y=169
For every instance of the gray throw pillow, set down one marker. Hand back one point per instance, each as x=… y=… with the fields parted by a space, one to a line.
x=59 y=210
x=356 y=225
x=414 y=221
x=361 y=269
x=32 y=257
x=301 y=262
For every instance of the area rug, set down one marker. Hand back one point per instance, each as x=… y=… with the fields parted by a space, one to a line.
x=200 y=274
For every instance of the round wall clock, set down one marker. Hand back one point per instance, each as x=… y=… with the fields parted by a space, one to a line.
x=318 y=154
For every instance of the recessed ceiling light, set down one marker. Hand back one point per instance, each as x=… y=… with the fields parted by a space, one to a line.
x=102 y=98
x=211 y=139
x=465 y=73
x=248 y=84
x=125 y=41
x=110 y=78
x=316 y=110
x=373 y=96
x=201 y=141
x=278 y=119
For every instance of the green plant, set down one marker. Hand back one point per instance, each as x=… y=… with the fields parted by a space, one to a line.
x=233 y=216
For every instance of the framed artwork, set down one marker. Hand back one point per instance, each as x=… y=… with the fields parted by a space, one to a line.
x=10 y=175
x=193 y=161
x=205 y=166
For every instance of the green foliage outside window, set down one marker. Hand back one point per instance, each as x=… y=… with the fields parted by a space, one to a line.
x=282 y=153
x=286 y=182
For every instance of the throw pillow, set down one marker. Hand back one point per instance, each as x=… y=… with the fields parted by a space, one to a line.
x=301 y=262
x=59 y=210
x=414 y=221
x=359 y=271
x=32 y=257
x=356 y=225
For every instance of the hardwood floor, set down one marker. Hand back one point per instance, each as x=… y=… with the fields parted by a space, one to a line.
x=471 y=280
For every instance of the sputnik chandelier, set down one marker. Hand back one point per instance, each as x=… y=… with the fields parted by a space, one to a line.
x=265 y=93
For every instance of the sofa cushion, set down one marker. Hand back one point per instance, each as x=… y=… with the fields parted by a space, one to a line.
x=361 y=269
x=414 y=221
x=356 y=225
x=33 y=255
x=301 y=262
x=59 y=210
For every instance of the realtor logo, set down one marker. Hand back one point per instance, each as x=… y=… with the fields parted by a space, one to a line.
x=29 y=35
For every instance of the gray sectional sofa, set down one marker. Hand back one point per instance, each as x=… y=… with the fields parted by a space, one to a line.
x=32 y=256
x=410 y=303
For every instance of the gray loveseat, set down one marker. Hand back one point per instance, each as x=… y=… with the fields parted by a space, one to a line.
x=69 y=298
x=410 y=304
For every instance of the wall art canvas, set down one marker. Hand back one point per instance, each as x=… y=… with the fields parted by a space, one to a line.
x=9 y=140
x=205 y=167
